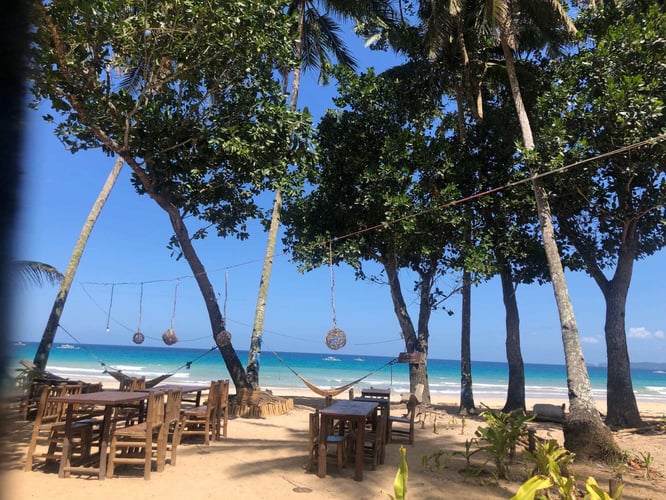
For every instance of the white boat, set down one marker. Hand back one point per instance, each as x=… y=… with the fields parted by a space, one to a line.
x=359 y=359
x=331 y=358
x=66 y=346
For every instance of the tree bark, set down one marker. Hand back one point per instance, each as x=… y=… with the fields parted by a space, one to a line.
x=260 y=311
x=418 y=373
x=584 y=432
x=46 y=343
x=466 y=393
x=227 y=351
x=622 y=409
x=515 y=395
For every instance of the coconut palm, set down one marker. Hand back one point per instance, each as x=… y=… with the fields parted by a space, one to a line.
x=547 y=20
x=44 y=348
x=317 y=38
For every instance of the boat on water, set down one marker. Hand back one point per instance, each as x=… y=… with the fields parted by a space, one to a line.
x=66 y=346
x=331 y=358
x=18 y=343
x=359 y=359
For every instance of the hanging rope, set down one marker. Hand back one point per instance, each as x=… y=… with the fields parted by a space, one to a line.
x=169 y=336
x=138 y=337
x=108 y=316
x=335 y=337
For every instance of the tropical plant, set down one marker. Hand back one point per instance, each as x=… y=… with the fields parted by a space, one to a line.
x=501 y=435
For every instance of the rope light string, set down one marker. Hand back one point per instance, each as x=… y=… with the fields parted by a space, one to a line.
x=108 y=315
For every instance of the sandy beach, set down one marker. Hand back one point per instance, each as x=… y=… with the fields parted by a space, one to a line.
x=265 y=458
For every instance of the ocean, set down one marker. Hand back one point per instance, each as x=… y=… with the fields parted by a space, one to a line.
x=325 y=370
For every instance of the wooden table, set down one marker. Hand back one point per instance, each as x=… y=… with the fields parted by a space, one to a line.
x=355 y=412
x=108 y=399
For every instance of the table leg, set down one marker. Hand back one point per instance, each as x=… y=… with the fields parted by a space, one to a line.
x=360 y=441
x=104 y=441
x=321 y=454
x=66 y=458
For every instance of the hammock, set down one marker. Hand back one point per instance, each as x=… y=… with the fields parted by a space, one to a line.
x=332 y=392
x=121 y=377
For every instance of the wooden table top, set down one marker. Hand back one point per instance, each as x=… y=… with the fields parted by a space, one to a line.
x=378 y=393
x=102 y=397
x=183 y=387
x=346 y=408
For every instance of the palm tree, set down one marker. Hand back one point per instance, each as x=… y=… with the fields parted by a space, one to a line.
x=585 y=433
x=317 y=36
x=44 y=348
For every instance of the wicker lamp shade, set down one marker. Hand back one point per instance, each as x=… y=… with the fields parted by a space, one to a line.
x=336 y=339
x=138 y=338
x=169 y=337
x=223 y=338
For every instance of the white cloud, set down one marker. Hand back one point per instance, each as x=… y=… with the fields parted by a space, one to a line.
x=589 y=340
x=643 y=333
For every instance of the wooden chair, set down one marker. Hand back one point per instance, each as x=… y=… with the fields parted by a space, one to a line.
x=49 y=429
x=201 y=420
x=222 y=409
x=172 y=422
x=332 y=439
x=374 y=440
x=403 y=426
x=136 y=444
x=133 y=413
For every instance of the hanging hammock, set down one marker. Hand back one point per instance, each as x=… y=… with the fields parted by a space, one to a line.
x=121 y=377
x=337 y=390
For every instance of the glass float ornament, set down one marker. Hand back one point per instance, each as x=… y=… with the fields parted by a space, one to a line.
x=223 y=338
x=138 y=338
x=336 y=339
x=169 y=337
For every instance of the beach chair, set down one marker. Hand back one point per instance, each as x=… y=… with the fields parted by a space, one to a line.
x=139 y=444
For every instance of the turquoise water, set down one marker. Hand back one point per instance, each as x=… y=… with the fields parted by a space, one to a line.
x=325 y=370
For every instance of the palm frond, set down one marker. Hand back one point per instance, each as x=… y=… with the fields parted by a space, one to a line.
x=37 y=273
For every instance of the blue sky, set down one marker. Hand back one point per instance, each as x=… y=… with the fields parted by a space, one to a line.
x=128 y=245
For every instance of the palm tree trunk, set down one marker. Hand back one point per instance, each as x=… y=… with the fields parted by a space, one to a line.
x=44 y=348
x=262 y=296
x=260 y=310
x=584 y=432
